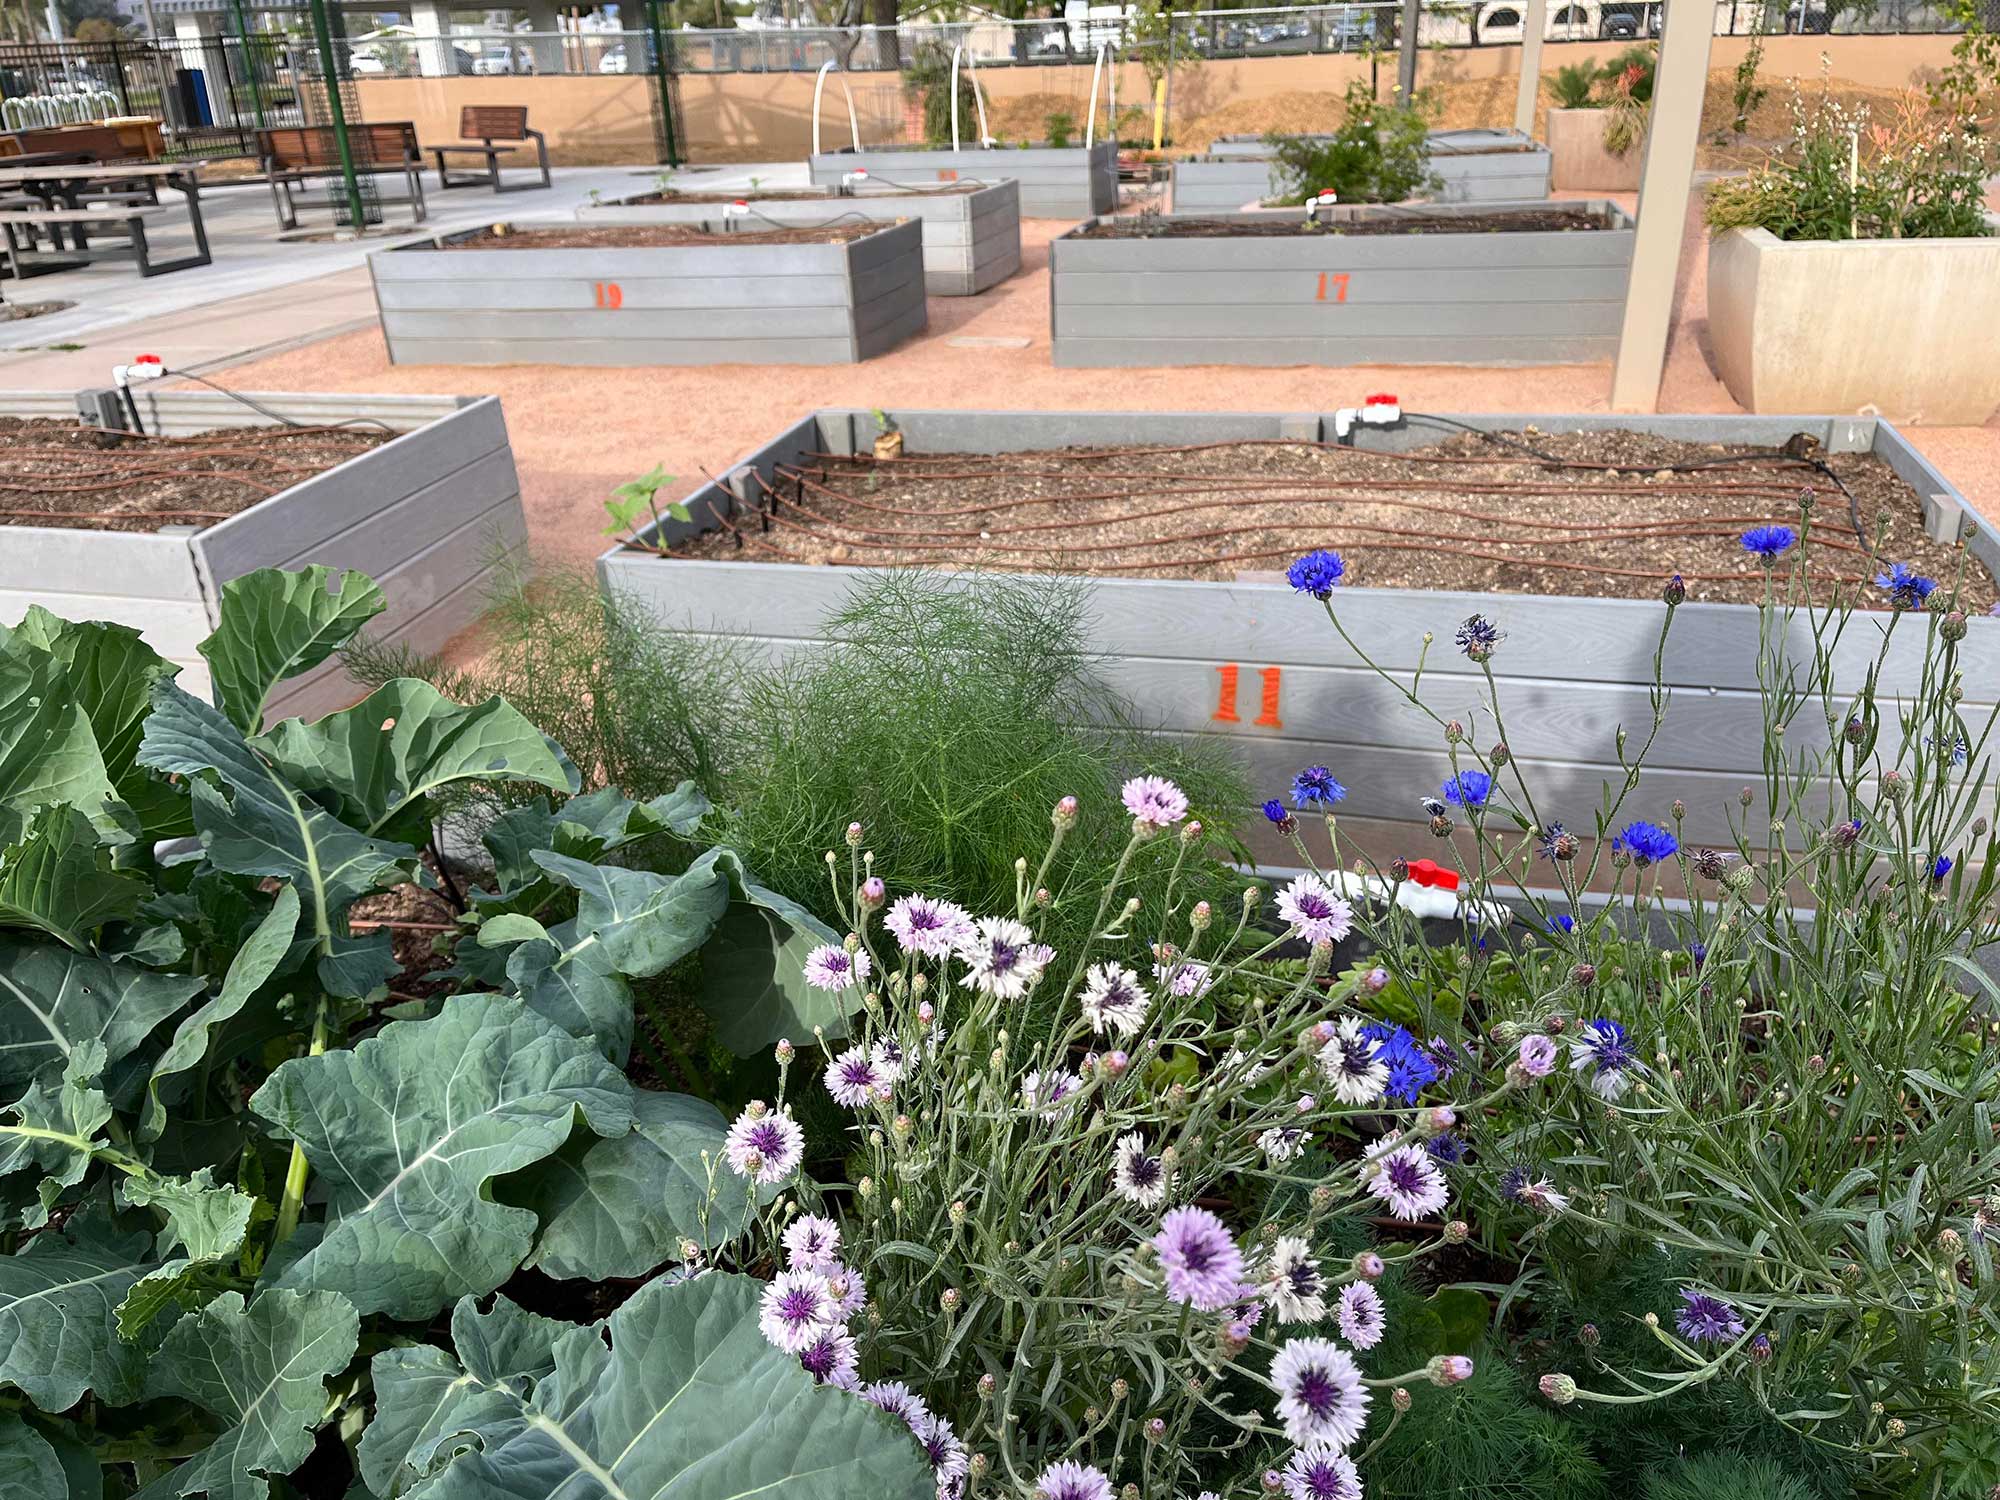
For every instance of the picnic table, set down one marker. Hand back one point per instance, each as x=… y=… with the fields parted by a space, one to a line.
x=73 y=200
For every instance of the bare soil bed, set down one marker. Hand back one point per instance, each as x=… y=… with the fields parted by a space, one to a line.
x=1508 y=221
x=55 y=473
x=644 y=236
x=1601 y=515
x=875 y=189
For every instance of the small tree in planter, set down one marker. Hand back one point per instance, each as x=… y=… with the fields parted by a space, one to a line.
x=1377 y=156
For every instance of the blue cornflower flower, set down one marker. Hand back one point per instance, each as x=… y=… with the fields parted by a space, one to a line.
x=1447 y=1148
x=1411 y=1069
x=1768 y=541
x=1553 y=845
x=1275 y=811
x=1316 y=573
x=1315 y=787
x=1706 y=1319
x=1468 y=789
x=1648 y=843
x=1958 y=747
x=1603 y=1047
x=1699 y=953
x=1562 y=921
x=1941 y=867
x=1906 y=589
x=1479 y=637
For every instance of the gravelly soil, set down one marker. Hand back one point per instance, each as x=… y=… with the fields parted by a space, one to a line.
x=1605 y=515
x=643 y=236
x=1513 y=221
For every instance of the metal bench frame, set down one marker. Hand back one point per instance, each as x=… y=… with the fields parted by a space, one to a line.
x=129 y=221
x=487 y=124
x=284 y=178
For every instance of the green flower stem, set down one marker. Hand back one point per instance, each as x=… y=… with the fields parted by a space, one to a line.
x=298 y=1169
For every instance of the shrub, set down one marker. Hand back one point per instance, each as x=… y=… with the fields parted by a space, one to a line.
x=1377 y=155
x=1060 y=127
x=928 y=74
x=1574 y=86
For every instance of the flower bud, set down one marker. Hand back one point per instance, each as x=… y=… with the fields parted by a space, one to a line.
x=1454 y=732
x=1499 y=756
x=1375 y=981
x=1201 y=916
x=865 y=1187
x=1274 y=1482
x=1895 y=1429
x=1816 y=1065
x=1191 y=831
x=1156 y=1429
x=977 y=1466
x=956 y=1213
x=1952 y=626
x=1675 y=593
x=1559 y=1389
x=784 y=1051
x=1441 y=827
x=1588 y=1336
x=1760 y=1349
x=1399 y=869
x=1457 y=1232
x=854 y=835
x=1064 y=817
x=1368 y=1266
x=1400 y=1398
x=1448 y=1370
x=1746 y=796
x=948 y=1299
x=1583 y=976
x=1679 y=809
x=1896 y=787
x=873 y=892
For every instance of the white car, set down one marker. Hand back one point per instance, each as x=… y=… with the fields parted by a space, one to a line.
x=613 y=62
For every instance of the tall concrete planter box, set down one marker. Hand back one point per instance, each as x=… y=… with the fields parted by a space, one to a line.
x=751 y=304
x=429 y=516
x=972 y=239
x=1473 y=166
x=1580 y=161
x=1057 y=182
x=1469 y=299
x=1904 y=328
x=1573 y=671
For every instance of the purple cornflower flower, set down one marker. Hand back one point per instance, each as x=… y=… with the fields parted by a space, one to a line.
x=926 y=926
x=1352 y=1063
x=1184 y=977
x=812 y=1243
x=796 y=1310
x=1314 y=913
x=831 y=1359
x=1538 y=1055
x=1070 y=1480
x=1479 y=637
x=1468 y=789
x=1199 y=1256
x=897 y=1399
x=1320 y=1395
x=1320 y=1471
x=1281 y=1144
x=852 y=1078
x=1706 y=1319
x=765 y=1145
x=1648 y=843
x=1002 y=958
x=1048 y=1092
x=1362 y=1321
x=1317 y=573
x=1603 y=1047
x=1768 y=541
x=1137 y=1175
x=1293 y=1284
x=1315 y=787
x=832 y=967
x=1699 y=953
x=1153 y=801
x=849 y=1290
x=942 y=1447
x=1113 y=1000
x=1906 y=588
x=1407 y=1182
x=1552 y=842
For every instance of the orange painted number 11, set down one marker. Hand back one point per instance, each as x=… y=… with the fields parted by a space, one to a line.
x=1339 y=281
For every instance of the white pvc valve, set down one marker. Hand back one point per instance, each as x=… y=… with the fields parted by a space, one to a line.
x=145 y=367
x=736 y=210
x=857 y=178
x=1323 y=199
x=1381 y=411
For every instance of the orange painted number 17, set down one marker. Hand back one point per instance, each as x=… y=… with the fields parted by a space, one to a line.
x=1339 y=282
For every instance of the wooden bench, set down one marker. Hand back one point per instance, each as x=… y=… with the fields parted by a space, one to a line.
x=20 y=225
x=293 y=155
x=481 y=125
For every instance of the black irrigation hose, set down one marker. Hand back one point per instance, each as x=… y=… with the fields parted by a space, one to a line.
x=278 y=417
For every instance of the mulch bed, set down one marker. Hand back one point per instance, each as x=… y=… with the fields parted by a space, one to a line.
x=871 y=189
x=1602 y=515
x=648 y=236
x=1411 y=221
x=55 y=473
x=17 y=312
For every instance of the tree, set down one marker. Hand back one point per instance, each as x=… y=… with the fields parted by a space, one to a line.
x=104 y=20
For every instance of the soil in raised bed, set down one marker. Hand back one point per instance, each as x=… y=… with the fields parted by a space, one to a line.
x=1601 y=514
x=874 y=188
x=56 y=473
x=1391 y=221
x=647 y=236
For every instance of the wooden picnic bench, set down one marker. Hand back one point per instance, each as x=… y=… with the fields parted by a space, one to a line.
x=293 y=155
x=126 y=220
x=481 y=126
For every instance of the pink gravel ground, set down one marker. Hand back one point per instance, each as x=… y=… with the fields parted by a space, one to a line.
x=578 y=433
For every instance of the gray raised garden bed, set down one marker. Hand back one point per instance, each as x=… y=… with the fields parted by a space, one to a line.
x=429 y=516
x=1067 y=182
x=1573 y=670
x=972 y=234
x=1506 y=298
x=753 y=304
x=1474 y=166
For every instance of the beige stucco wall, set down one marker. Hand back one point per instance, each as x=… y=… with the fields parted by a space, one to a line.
x=1897 y=328
x=767 y=116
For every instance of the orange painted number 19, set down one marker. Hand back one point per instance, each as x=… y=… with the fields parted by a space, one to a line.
x=609 y=294
x=1338 y=279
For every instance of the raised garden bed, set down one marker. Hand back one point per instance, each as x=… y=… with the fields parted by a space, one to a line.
x=1474 y=166
x=972 y=230
x=1066 y=182
x=1903 y=327
x=419 y=492
x=1475 y=284
x=706 y=293
x=1221 y=644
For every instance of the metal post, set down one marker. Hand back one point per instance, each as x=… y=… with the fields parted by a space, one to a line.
x=1534 y=26
x=337 y=113
x=663 y=76
x=1666 y=180
x=1406 y=60
x=250 y=62
x=1167 y=100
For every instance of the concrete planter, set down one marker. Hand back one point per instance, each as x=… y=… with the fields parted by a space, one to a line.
x=1056 y=183
x=1252 y=661
x=972 y=240
x=1476 y=166
x=1579 y=162
x=1474 y=299
x=429 y=516
x=750 y=304
x=1903 y=328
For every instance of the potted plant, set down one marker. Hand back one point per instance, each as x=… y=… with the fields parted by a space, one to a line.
x=1858 y=271
x=1597 y=119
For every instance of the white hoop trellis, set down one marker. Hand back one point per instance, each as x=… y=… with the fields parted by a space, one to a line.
x=853 y=121
x=978 y=98
x=38 y=111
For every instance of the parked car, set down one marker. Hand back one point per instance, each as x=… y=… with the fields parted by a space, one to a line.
x=613 y=61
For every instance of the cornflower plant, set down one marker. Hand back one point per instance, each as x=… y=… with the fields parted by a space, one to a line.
x=1786 y=1080
x=1092 y=1254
